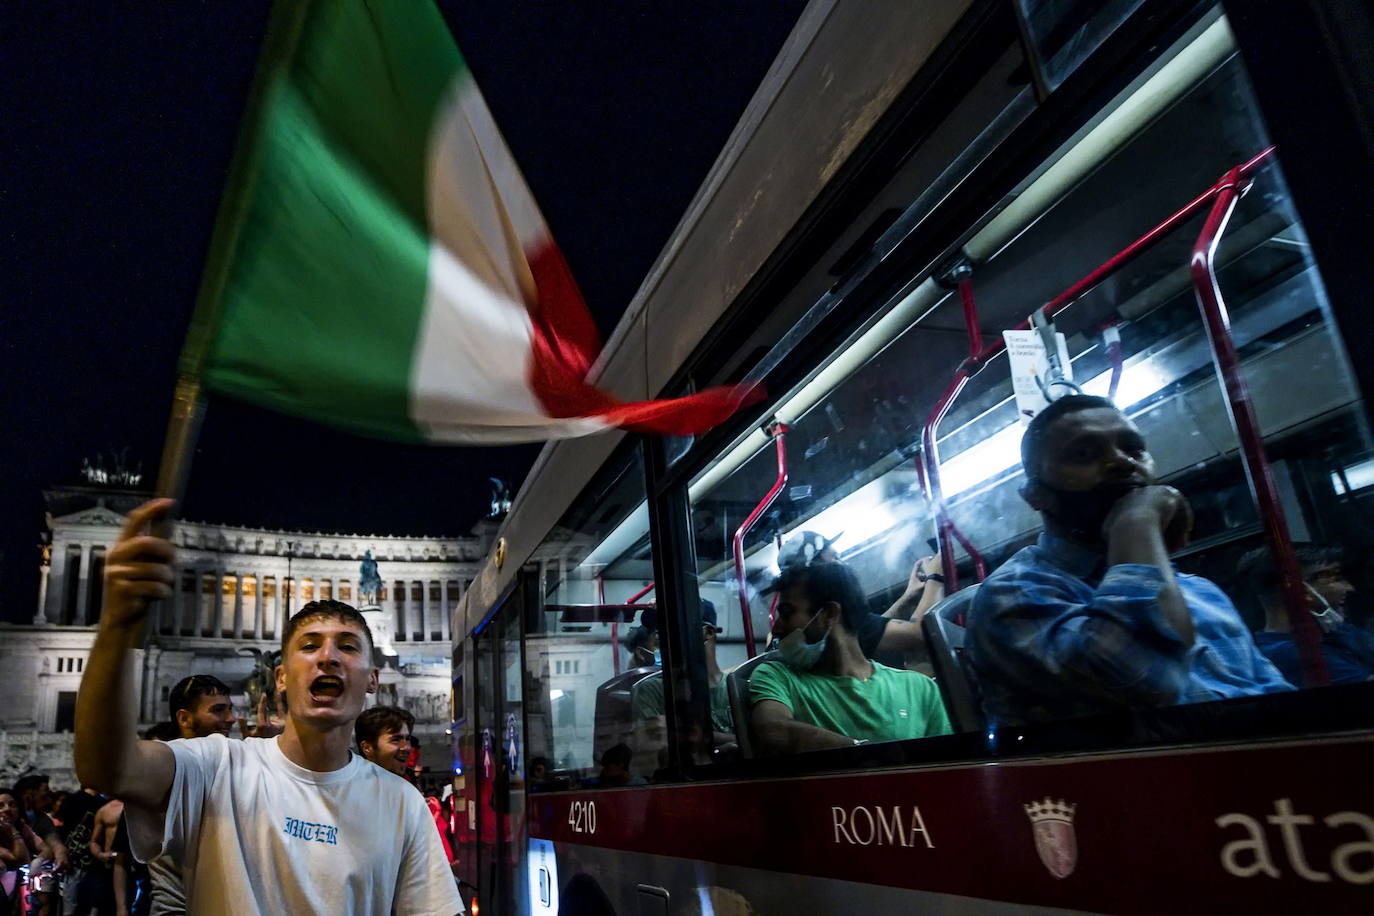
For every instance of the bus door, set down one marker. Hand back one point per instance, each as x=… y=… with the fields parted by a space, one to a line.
x=498 y=761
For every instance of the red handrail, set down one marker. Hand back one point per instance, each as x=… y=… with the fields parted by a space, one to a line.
x=615 y=626
x=1241 y=408
x=778 y=431
x=930 y=456
x=642 y=592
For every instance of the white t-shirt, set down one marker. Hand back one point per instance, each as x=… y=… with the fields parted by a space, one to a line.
x=257 y=835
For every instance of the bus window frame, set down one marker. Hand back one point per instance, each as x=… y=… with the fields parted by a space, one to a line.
x=1080 y=98
x=936 y=236
x=1118 y=61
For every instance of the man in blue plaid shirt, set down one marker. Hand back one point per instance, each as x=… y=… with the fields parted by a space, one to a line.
x=1093 y=617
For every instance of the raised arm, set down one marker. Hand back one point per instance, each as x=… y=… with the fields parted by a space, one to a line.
x=777 y=732
x=109 y=755
x=1139 y=531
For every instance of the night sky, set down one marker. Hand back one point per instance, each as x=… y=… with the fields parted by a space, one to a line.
x=119 y=122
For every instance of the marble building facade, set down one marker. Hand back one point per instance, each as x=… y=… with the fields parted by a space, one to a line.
x=235 y=588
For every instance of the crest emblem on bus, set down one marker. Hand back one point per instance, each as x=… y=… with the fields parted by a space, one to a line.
x=1052 y=822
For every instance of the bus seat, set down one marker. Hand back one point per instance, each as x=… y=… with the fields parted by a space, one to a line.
x=944 y=633
x=614 y=723
x=737 y=686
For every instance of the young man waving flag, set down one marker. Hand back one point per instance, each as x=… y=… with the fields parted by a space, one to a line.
x=379 y=263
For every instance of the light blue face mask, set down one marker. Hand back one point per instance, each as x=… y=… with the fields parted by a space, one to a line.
x=797 y=652
x=1328 y=618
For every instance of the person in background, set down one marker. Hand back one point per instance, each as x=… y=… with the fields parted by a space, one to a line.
x=825 y=693
x=413 y=768
x=1093 y=617
x=85 y=885
x=1348 y=650
x=19 y=846
x=382 y=734
x=107 y=872
x=615 y=768
x=35 y=803
x=201 y=706
x=647 y=702
x=893 y=637
x=642 y=642
x=539 y=770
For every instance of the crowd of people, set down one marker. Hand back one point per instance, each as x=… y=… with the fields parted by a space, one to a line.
x=285 y=818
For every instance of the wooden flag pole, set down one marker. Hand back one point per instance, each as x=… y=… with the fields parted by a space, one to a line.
x=183 y=428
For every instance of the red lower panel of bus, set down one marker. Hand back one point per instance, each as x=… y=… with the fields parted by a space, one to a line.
x=1258 y=827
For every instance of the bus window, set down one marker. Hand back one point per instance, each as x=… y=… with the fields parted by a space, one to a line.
x=1064 y=32
x=591 y=642
x=845 y=476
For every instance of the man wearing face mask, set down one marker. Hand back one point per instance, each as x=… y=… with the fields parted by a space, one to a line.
x=825 y=693
x=1348 y=650
x=1093 y=617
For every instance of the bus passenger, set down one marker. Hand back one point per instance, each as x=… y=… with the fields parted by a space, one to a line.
x=646 y=700
x=1093 y=616
x=825 y=693
x=893 y=637
x=1348 y=650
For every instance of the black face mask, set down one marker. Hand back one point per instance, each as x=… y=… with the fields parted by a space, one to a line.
x=1082 y=512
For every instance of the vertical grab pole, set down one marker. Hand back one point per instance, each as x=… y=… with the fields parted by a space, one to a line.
x=615 y=626
x=1248 y=434
x=778 y=431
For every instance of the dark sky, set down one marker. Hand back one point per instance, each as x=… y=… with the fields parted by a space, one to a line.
x=118 y=125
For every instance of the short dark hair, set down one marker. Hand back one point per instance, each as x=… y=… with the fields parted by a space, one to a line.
x=828 y=580
x=326 y=609
x=378 y=720
x=1033 y=442
x=190 y=689
x=162 y=731
x=29 y=783
x=1258 y=568
x=617 y=755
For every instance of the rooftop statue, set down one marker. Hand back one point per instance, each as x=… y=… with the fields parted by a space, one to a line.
x=369 y=580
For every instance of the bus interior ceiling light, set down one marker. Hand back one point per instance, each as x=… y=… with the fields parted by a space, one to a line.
x=1001 y=451
x=1175 y=76
x=1354 y=477
x=856 y=519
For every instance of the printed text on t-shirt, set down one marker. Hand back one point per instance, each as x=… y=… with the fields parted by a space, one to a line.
x=316 y=833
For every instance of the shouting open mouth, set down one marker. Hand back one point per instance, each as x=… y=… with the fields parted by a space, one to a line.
x=326 y=689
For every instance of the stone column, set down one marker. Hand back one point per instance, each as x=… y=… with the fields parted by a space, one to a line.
x=151 y=660
x=423 y=610
x=237 y=630
x=41 y=618
x=446 y=611
x=57 y=596
x=83 y=591
x=257 y=605
x=217 y=617
x=276 y=608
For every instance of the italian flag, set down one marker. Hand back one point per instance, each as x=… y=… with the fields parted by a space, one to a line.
x=379 y=263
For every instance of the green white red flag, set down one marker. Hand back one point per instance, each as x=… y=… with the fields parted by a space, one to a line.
x=379 y=263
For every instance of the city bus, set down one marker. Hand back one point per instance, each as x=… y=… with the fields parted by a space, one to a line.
x=1171 y=198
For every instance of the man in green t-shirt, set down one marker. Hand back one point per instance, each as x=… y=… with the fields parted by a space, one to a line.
x=825 y=693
